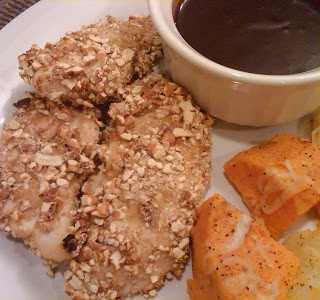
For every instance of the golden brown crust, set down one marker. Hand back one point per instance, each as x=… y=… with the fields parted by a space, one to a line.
x=140 y=207
x=44 y=158
x=93 y=63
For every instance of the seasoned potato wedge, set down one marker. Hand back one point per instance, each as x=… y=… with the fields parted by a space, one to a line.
x=278 y=180
x=234 y=257
x=316 y=135
x=316 y=126
x=306 y=246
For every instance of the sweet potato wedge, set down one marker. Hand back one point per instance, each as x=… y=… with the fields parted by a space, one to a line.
x=278 y=180
x=234 y=256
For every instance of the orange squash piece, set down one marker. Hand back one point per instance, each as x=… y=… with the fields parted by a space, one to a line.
x=278 y=180
x=234 y=256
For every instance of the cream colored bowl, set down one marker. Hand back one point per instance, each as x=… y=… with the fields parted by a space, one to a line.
x=231 y=95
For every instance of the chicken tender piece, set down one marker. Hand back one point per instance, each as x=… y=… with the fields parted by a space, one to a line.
x=44 y=158
x=96 y=62
x=141 y=206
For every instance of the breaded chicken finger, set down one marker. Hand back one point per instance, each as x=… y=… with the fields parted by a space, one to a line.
x=89 y=65
x=139 y=209
x=44 y=158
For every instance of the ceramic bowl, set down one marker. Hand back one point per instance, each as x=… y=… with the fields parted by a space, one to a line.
x=228 y=94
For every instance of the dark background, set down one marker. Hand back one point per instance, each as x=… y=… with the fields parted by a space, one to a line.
x=9 y=9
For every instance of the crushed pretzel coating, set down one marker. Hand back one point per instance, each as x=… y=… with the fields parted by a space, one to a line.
x=145 y=213
x=38 y=190
x=89 y=65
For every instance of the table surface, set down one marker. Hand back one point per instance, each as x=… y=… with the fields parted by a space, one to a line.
x=9 y=9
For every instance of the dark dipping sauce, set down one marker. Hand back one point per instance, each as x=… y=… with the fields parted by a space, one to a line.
x=274 y=37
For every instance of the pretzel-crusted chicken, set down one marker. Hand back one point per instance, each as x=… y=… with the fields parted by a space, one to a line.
x=140 y=207
x=44 y=159
x=93 y=63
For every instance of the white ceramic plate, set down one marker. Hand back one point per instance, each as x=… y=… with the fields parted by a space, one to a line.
x=22 y=275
